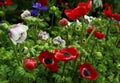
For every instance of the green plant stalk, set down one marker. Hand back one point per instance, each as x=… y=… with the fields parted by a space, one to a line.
x=75 y=66
x=67 y=41
x=63 y=71
x=82 y=32
x=108 y=29
x=92 y=49
x=15 y=53
x=52 y=20
x=117 y=45
x=89 y=37
x=117 y=42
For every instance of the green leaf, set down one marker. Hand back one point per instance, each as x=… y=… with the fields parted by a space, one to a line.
x=12 y=7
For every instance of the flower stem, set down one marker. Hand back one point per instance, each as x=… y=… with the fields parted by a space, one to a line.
x=63 y=72
x=64 y=66
x=15 y=53
x=82 y=32
x=108 y=29
x=89 y=37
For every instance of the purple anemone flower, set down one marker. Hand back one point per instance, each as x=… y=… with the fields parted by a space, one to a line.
x=43 y=35
x=38 y=6
x=34 y=12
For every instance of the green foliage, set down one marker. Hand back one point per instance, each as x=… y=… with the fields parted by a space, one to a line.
x=103 y=54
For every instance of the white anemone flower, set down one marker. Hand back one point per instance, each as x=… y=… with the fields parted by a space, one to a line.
x=58 y=40
x=88 y=18
x=25 y=14
x=18 y=33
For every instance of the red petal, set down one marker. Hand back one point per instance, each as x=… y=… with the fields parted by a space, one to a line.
x=43 y=2
x=116 y=16
x=73 y=51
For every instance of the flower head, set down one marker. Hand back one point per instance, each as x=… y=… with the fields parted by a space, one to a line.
x=99 y=35
x=18 y=33
x=48 y=60
x=81 y=9
x=43 y=2
x=108 y=10
x=38 y=6
x=58 y=40
x=66 y=54
x=88 y=18
x=5 y=2
x=34 y=12
x=89 y=30
x=25 y=14
x=43 y=35
x=87 y=71
x=30 y=63
x=63 y=22
x=116 y=16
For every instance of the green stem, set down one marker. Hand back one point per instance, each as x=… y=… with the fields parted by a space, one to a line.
x=63 y=72
x=108 y=29
x=92 y=49
x=89 y=37
x=15 y=53
x=82 y=32
x=75 y=66
x=118 y=43
x=64 y=66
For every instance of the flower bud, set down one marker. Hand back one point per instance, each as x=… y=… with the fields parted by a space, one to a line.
x=63 y=22
x=30 y=63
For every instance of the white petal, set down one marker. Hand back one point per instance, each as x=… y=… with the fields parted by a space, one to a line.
x=22 y=37
x=14 y=34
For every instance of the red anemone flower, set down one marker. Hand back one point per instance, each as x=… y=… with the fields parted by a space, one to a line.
x=116 y=16
x=48 y=60
x=43 y=2
x=30 y=63
x=66 y=54
x=89 y=30
x=99 y=35
x=5 y=2
x=81 y=9
x=88 y=72
x=107 y=11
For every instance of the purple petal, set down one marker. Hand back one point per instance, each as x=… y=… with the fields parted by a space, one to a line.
x=43 y=8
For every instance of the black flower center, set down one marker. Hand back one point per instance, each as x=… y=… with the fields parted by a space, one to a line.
x=48 y=60
x=66 y=53
x=86 y=72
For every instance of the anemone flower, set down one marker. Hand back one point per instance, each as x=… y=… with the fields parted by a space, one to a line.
x=66 y=54
x=88 y=72
x=79 y=11
x=108 y=10
x=43 y=2
x=30 y=63
x=5 y=2
x=58 y=40
x=38 y=6
x=99 y=35
x=63 y=22
x=48 y=60
x=43 y=35
x=34 y=12
x=88 y=18
x=18 y=33
x=25 y=14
